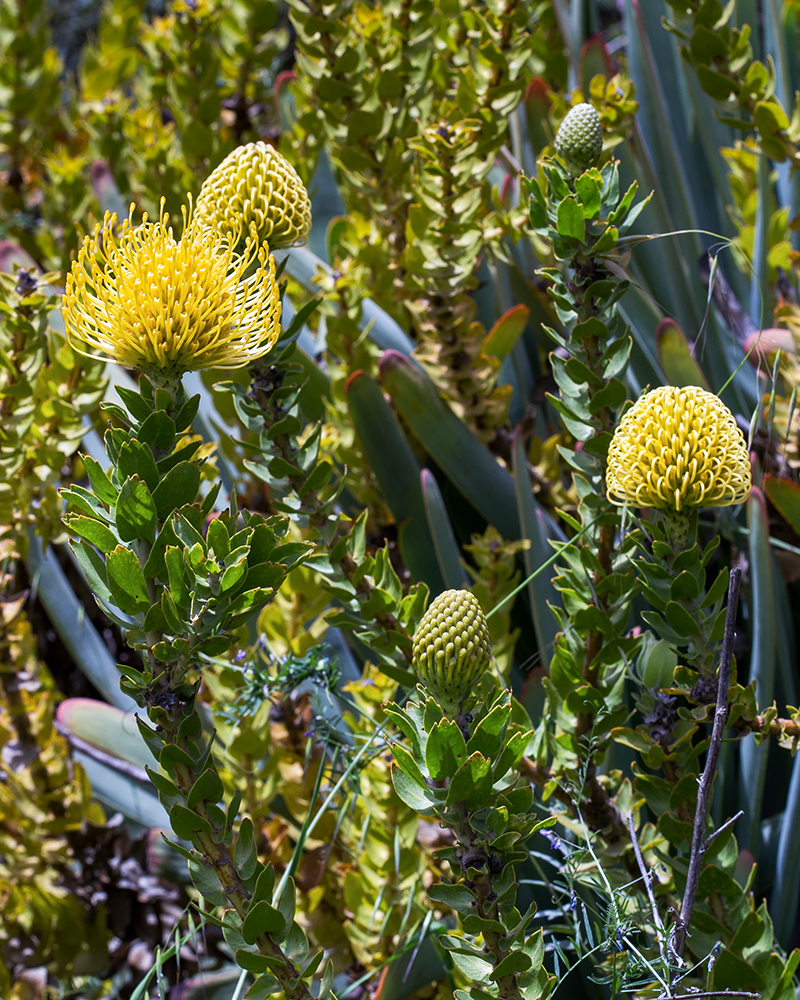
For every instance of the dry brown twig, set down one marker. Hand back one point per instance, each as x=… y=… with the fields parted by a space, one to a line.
x=700 y=842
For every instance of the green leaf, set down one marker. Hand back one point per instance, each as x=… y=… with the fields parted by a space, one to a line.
x=405 y=761
x=419 y=799
x=204 y=878
x=587 y=187
x=253 y=962
x=173 y=559
x=138 y=408
x=92 y=530
x=135 y=511
x=218 y=539
x=657 y=663
x=763 y=662
x=166 y=789
x=184 y=530
x=126 y=581
x=516 y=962
x=207 y=788
x=487 y=737
x=286 y=904
x=502 y=337
x=234 y=572
x=770 y=117
x=250 y=601
x=398 y=472
x=715 y=84
x=657 y=621
x=685 y=587
x=262 y=918
x=472 y=782
x=607 y=241
x=265 y=884
x=181 y=455
x=616 y=356
x=136 y=459
x=732 y=972
x=93 y=565
x=99 y=480
x=445 y=750
x=173 y=618
x=448 y=554
x=612 y=395
x=571 y=219
x=185 y=823
x=785 y=494
x=187 y=413
x=717 y=589
x=245 y=855
x=674 y=353
x=105 y=727
x=83 y=501
x=177 y=488
x=158 y=430
x=620 y=212
x=680 y=620
x=537 y=207
x=265 y=986
x=456 y=896
x=465 y=460
x=474 y=968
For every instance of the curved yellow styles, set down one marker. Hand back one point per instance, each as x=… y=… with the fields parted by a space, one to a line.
x=255 y=186
x=676 y=449
x=167 y=306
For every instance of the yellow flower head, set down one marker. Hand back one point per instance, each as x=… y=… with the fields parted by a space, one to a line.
x=675 y=449
x=168 y=306
x=256 y=186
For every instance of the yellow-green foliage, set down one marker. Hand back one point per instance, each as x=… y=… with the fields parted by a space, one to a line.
x=349 y=351
x=160 y=100
x=743 y=160
x=30 y=95
x=45 y=390
x=494 y=578
x=414 y=106
x=361 y=870
x=44 y=798
x=419 y=109
x=385 y=871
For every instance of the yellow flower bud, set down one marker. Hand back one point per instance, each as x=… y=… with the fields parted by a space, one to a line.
x=256 y=186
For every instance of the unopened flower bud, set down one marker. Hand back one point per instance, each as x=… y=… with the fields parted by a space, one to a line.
x=255 y=186
x=452 y=648
x=579 y=140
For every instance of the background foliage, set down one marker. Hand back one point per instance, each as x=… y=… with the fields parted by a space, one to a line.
x=420 y=430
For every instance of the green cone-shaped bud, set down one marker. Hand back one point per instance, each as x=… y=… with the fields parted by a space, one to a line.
x=452 y=648
x=579 y=140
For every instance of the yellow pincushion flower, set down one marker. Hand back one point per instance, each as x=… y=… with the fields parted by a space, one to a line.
x=167 y=306
x=256 y=186
x=676 y=449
